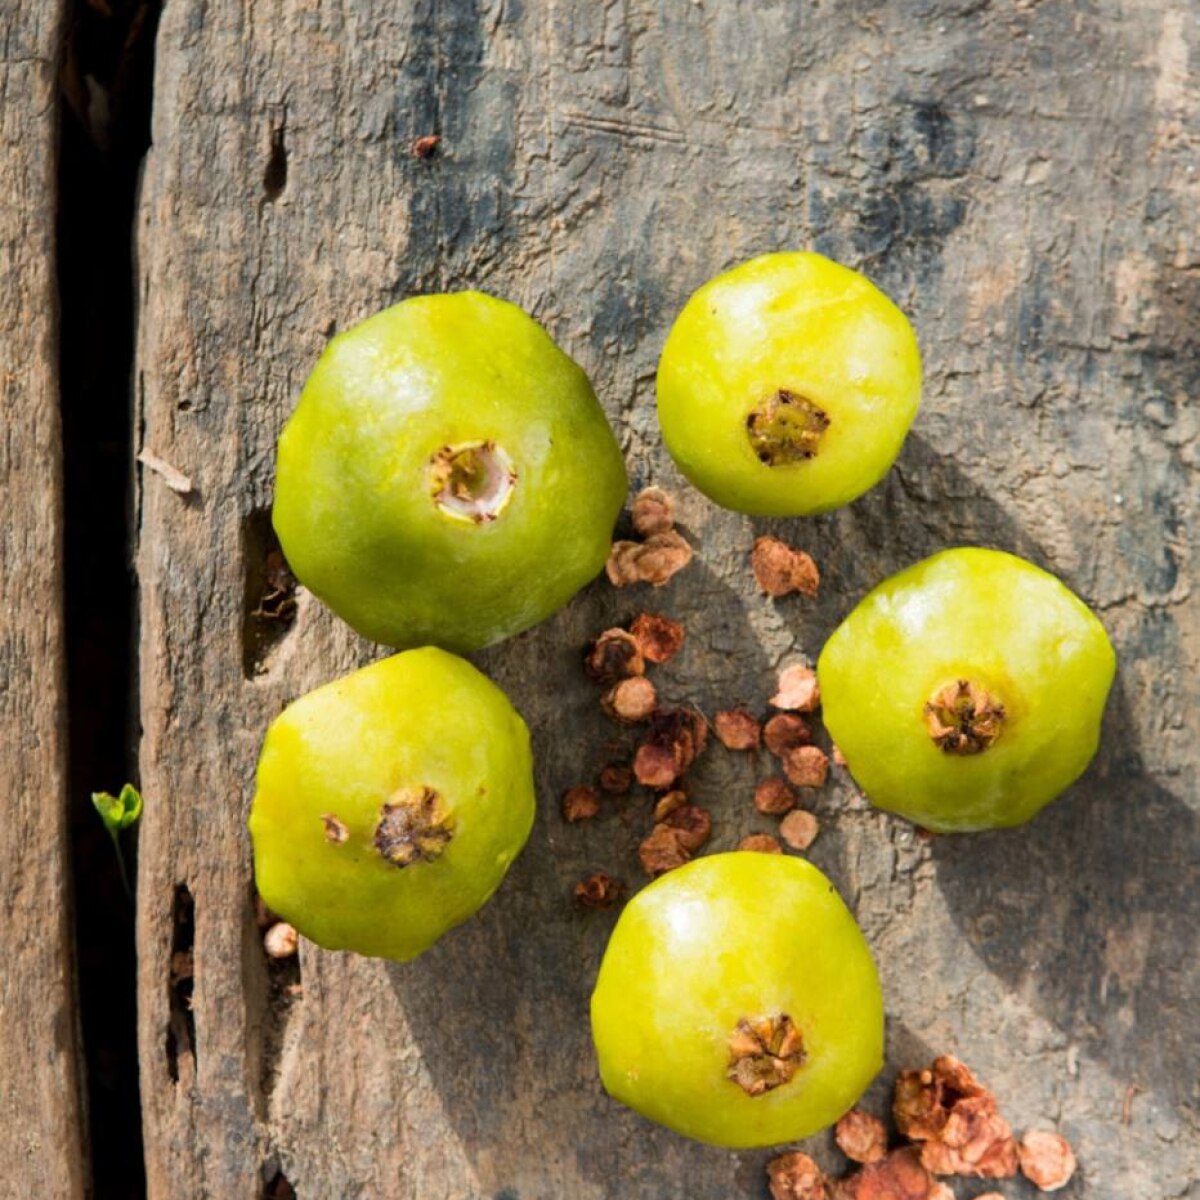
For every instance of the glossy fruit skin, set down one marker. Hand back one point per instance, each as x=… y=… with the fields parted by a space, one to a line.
x=800 y=322
x=726 y=937
x=353 y=505
x=983 y=615
x=424 y=718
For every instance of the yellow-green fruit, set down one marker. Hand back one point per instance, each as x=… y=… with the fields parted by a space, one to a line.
x=966 y=692
x=448 y=476
x=738 y=1003
x=390 y=804
x=787 y=385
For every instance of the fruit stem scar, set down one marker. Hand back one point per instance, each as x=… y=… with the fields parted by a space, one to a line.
x=472 y=481
x=413 y=826
x=785 y=428
x=764 y=1053
x=963 y=718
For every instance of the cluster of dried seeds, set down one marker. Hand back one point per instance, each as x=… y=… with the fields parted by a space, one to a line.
x=674 y=738
x=954 y=1128
x=662 y=554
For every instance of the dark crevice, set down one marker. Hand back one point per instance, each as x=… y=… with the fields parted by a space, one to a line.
x=275 y=175
x=106 y=86
x=278 y=1187
x=181 y=1025
x=269 y=607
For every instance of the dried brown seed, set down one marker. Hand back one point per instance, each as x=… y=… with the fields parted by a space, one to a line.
x=281 y=940
x=662 y=557
x=426 y=146
x=653 y=512
x=780 y=570
x=773 y=796
x=799 y=829
x=861 y=1137
x=616 y=779
x=614 y=655
x=898 y=1176
x=763 y=843
x=795 y=1176
x=798 y=690
x=806 y=766
x=668 y=804
x=599 y=890
x=655 y=766
x=631 y=700
x=621 y=567
x=660 y=638
x=691 y=823
x=1047 y=1161
x=580 y=803
x=737 y=729
x=956 y=1119
x=785 y=731
x=662 y=851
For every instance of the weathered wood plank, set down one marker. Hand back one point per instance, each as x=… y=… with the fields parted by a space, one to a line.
x=1016 y=175
x=42 y=1135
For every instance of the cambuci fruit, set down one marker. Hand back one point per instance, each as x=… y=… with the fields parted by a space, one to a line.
x=448 y=476
x=390 y=804
x=967 y=691
x=787 y=385
x=737 y=1002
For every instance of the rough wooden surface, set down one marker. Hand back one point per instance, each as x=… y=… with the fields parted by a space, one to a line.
x=42 y=1140
x=1019 y=176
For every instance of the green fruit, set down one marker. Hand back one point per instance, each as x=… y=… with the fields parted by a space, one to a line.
x=390 y=804
x=448 y=476
x=966 y=692
x=787 y=385
x=737 y=1002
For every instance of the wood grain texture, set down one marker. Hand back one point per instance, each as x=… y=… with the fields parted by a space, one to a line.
x=42 y=1138
x=1018 y=176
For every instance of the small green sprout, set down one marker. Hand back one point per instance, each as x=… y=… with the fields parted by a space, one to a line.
x=119 y=813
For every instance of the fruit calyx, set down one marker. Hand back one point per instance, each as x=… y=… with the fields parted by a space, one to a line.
x=472 y=481
x=785 y=428
x=764 y=1053
x=413 y=826
x=963 y=718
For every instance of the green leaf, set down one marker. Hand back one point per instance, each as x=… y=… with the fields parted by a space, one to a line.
x=119 y=812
